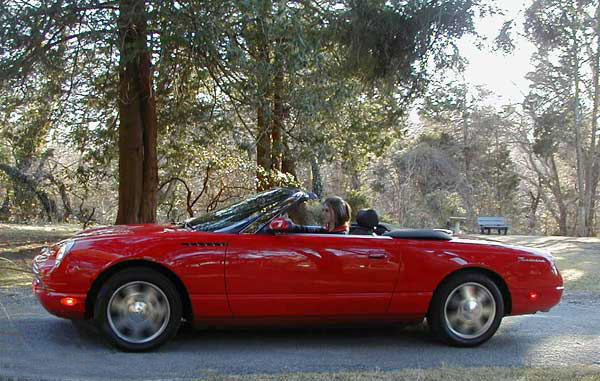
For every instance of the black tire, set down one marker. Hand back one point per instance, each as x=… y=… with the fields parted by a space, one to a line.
x=145 y=309
x=466 y=310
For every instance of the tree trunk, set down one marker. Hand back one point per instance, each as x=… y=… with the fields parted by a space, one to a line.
x=150 y=167
x=263 y=148
x=5 y=208
x=317 y=182
x=558 y=195
x=581 y=163
x=533 y=207
x=582 y=184
x=277 y=120
x=263 y=112
x=138 y=168
x=593 y=165
x=65 y=200
x=288 y=165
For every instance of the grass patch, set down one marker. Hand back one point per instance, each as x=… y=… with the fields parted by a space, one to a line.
x=578 y=259
x=582 y=372
x=20 y=243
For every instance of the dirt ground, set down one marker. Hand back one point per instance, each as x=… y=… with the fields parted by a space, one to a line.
x=577 y=258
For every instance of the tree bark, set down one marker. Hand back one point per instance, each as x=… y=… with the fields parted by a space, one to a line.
x=317 y=182
x=549 y=175
x=5 y=208
x=263 y=149
x=277 y=120
x=582 y=184
x=558 y=195
x=288 y=164
x=263 y=112
x=138 y=168
x=149 y=119
x=533 y=206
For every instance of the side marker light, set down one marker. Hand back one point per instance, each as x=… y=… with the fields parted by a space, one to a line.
x=68 y=302
x=533 y=295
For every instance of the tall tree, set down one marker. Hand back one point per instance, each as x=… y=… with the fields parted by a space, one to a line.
x=39 y=34
x=566 y=34
x=459 y=112
x=138 y=167
x=289 y=67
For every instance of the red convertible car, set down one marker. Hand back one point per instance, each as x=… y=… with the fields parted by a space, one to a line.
x=138 y=282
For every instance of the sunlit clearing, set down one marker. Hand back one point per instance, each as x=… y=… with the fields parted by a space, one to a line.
x=572 y=274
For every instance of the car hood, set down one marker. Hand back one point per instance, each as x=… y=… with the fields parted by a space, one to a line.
x=126 y=230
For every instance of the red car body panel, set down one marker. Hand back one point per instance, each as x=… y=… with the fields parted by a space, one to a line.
x=310 y=275
x=236 y=278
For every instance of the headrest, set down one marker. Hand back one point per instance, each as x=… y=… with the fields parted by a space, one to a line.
x=367 y=218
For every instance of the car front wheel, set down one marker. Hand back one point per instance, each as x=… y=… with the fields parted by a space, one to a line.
x=138 y=309
x=467 y=310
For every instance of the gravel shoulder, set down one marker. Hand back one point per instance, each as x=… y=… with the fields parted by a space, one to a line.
x=564 y=342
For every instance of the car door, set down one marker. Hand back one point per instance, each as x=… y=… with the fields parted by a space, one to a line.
x=310 y=274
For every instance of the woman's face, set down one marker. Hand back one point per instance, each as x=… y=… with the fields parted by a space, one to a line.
x=328 y=217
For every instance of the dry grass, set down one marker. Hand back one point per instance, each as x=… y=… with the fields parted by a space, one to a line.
x=20 y=243
x=578 y=259
x=442 y=374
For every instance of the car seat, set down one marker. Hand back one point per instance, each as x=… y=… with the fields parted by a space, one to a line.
x=366 y=222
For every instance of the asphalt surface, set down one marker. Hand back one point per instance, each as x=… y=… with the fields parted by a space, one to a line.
x=36 y=345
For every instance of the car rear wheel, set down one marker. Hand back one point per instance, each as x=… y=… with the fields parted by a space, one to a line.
x=467 y=310
x=138 y=309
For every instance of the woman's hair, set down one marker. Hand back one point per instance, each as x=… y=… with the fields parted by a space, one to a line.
x=341 y=209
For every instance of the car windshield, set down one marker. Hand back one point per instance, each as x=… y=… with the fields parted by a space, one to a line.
x=237 y=216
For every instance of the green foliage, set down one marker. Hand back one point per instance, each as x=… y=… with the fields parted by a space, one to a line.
x=459 y=165
x=385 y=39
x=357 y=199
x=549 y=132
x=342 y=75
x=277 y=178
x=562 y=105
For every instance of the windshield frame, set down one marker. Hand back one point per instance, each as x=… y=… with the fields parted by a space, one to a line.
x=253 y=220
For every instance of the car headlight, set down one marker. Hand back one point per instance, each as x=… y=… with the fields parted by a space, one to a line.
x=65 y=247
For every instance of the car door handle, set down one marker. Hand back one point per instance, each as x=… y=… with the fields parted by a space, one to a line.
x=377 y=256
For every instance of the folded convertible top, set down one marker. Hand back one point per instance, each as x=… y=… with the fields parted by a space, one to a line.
x=425 y=234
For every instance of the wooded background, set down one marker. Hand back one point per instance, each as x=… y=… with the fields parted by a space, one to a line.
x=133 y=111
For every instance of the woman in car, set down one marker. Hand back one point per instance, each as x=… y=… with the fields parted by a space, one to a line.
x=336 y=219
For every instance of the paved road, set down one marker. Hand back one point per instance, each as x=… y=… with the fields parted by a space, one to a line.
x=34 y=344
